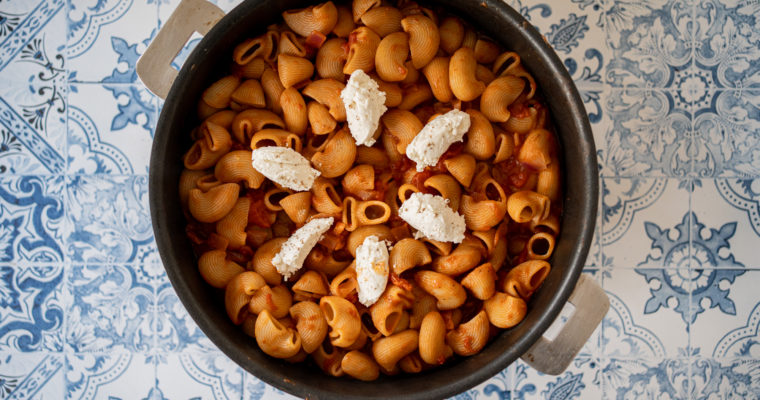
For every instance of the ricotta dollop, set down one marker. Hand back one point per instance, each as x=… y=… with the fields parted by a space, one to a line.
x=436 y=136
x=293 y=252
x=371 y=269
x=365 y=104
x=432 y=217
x=284 y=166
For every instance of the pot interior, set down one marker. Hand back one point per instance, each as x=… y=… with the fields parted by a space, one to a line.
x=211 y=59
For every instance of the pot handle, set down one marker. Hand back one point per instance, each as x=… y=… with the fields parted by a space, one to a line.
x=154 y=67
x=583 y=312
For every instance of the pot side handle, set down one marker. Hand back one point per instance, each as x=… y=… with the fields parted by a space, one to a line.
x=154 y=67
x=583 y=312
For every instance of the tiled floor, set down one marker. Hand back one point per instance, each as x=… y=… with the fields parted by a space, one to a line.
x=672 y=89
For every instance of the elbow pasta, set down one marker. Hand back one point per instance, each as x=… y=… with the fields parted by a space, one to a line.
x=442 y=300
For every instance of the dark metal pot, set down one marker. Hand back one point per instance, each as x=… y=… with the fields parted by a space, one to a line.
x=210 y=60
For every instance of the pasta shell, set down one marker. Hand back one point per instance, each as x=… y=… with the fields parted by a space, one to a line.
x=276 y=299
x=423 y=38
x=461 y=260
x=249 y=93
x=345 y=23
x=338 y=156
x=291 y=45
x=461 y=167
x=262 y=261
x=310 y=323
x=235 y=167
x=321 y=18
x=481 y=215
x=250 y=121
x=360 y=366
x=216 y=269
x=407 y=254
x=211 y=206
x=238 y=293
x=297 y=206
x=499 y=95
x=331 y=58
x=218 y=95
x=525 y=278
x=481 y=281
x=293 y=70
x=389 y=350
x=433 y=348
x=505 y=311
x=470 y=337
x=362 y=46
x=233 y=225
x=383 y=20
x=310 y=286
x=275 y=339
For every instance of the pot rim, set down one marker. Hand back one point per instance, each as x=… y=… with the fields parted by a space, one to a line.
x=581 y=190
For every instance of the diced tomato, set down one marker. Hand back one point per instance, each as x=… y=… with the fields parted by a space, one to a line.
x=241 y=255
x=315 y=39
x=400 y=282
x=419 y=179
x=400 y=167
x=511 y=173
x=257 y=213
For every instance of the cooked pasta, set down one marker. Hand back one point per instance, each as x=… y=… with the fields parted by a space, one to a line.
x=438 y=300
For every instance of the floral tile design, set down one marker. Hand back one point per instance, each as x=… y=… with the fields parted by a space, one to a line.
x=32 y=309
x=110 y=221
x=726 y=135
x=105 y=37
x=31 y=375
x=110 y=376
x=32 y=223
x=208 y=375
x=110 y=309
x=645 y=223
x=33 y=115
x=650 y=134
x=671 y=88
x=650 y=42
x=649 y=313
x=175 y=330
x=727 y=39
x=727 y=221
x=113 y=137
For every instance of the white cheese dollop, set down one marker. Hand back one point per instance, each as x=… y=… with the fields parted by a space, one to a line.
x=365 y=104
x=284 y=166
x=371 y=269
x=436 y=137
x=293 y=252
x=432 y=217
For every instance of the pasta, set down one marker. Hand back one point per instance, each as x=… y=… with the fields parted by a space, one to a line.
x=439 y=300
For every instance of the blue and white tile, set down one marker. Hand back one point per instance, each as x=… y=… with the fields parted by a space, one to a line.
x=572 y=29
x=113 y=135
x=110 y=219
x=175 y=329
x=649 y=313
x=106 y=37
x=205 y=375
x=649 y=379
x=32 y=309
x=726 y=225
x=32 y=88
x=728 y=43
x=725 y=379
x=650 y=133
x=110 y=376
x=32 y=219
x=500 y=386
x=645 y=223
x=255 y=389
x=649 y=41
x=727 y=315
x=110 y=309
x=595 y=102
x=727 y=134
x=31 y=375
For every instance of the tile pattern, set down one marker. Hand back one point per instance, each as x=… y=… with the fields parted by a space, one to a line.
x=672 y=90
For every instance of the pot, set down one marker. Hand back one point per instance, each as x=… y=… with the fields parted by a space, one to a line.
x=544 y=341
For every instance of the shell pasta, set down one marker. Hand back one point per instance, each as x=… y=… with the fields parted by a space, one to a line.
x=436 y=297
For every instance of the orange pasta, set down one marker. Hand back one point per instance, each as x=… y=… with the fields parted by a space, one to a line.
x=425 y=300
